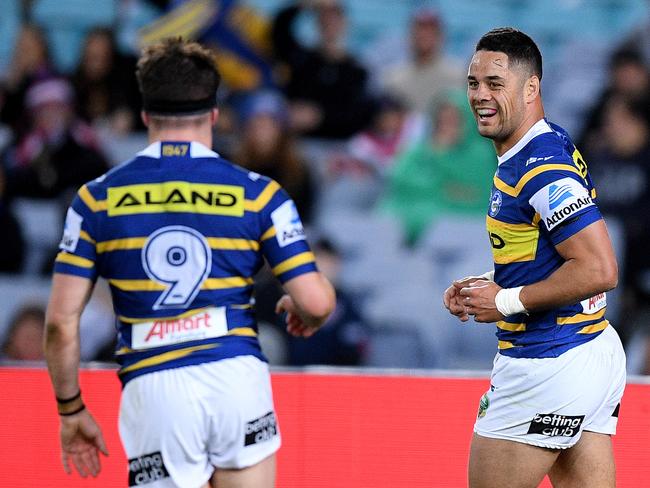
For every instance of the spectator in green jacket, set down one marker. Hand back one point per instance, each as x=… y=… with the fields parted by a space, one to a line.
x=447 y=173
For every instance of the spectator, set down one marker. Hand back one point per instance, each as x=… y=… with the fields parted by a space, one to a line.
x=59 y=152
x=24 y=341
x=445 y=174
x=622 y=160
x=106 y=89
x=357 y=175
x=12 y=246
x=429 y=72
x=326 y=86
x=31 y=61
x=628 y=77
x=268 y=147
x=392 y=129
x=344 y=338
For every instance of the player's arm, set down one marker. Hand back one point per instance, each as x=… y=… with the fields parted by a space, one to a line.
x=310 y=301
x=81 y=437
x=589 y=268
x=579 y=234
x=68 y=297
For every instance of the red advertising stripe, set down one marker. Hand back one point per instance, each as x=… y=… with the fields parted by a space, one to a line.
x=339 y=430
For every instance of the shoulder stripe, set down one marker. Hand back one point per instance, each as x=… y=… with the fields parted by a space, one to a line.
x=263 y=198
x=581 y=317
x=219 y=243
x=597 y=327
x=294 y=262
x=67 y=258
x=89 y=200
x=514 y=191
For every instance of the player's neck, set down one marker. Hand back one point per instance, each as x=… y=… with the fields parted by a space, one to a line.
x=202 y=135
x=530 y=120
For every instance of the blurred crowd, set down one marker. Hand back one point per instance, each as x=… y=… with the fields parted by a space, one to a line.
x=348 y=139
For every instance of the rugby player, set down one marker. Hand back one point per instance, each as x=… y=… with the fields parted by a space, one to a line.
x=179 y=233
x=559 y=374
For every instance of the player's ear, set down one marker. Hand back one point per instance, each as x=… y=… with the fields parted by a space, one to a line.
x=145 y=118
x=214 y=116
x=532 y=88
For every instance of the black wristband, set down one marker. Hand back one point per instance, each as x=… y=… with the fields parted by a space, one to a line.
x=68 y=400
x=67 y=414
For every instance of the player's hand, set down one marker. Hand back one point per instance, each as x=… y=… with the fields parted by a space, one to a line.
x=296 y=326
x=477 y=298
x=81 y=443
x=452 y=299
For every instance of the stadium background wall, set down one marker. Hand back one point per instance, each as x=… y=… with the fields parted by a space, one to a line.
x=341 y=429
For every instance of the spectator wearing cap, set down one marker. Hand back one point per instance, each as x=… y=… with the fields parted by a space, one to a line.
x=268 y=147
x=428 y=72
x=55 y=157
x=326 y=86
x=59 y=153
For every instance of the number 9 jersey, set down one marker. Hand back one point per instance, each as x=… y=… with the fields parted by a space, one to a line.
x=179 y=233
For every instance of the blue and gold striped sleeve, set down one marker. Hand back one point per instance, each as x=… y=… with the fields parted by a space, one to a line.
x=562 y=197
x=78 y=247
x=283 y=240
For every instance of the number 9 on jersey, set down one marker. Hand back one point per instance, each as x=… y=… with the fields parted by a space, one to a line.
x=179 y=258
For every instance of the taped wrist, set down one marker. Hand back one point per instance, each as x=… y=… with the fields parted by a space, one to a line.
x=488 y=275
x=508 y=303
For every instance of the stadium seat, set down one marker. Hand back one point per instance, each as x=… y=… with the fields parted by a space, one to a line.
x=358 y=233
x=42 y=225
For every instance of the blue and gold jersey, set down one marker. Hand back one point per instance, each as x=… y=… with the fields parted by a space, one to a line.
x=542 y=194
x=179 y=233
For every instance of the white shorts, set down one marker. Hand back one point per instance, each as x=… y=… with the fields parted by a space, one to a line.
x=177 y=425
x=548 y=402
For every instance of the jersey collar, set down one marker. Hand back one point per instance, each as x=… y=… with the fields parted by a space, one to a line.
x=197 y=150
x=540 y=127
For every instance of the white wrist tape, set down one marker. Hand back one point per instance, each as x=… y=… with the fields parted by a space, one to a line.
x=508 y=302
x=487 y=276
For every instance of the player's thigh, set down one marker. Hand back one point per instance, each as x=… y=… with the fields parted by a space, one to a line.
x=495 y=463
x=589 y=463
x=260 y=475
